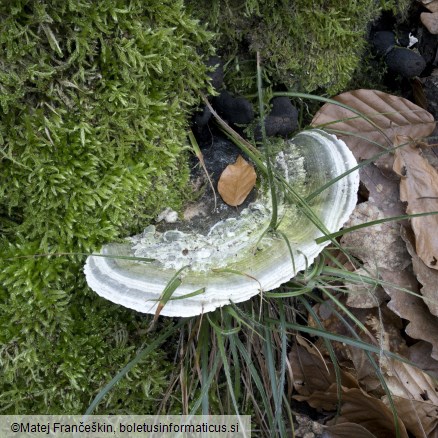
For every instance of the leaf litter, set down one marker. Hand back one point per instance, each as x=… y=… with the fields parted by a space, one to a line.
x=385 y=116
x=395 y=314
x=419 y=188
x=400 y=180
x=315 y=381
x=414 y=393
x=426 y=276
x=432 y=5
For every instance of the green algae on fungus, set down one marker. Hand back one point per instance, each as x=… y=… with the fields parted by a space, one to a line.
x=239 y=257
x=94 y=106
x=202 y=252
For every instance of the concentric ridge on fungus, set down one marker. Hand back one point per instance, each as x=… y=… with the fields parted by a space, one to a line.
x=225 y=261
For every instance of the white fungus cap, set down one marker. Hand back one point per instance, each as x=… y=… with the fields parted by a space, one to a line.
x=234 y=262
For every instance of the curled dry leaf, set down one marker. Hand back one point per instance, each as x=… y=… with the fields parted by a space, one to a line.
x=371 y=413
x=419 y=188
x=389 y=115
x=419 y=93
x=311 y=373
x=422 y=325
x=415 y=393
x=236 y=181
x=359 y=408
x=415 y=396
x=420 y=355
x=320 y=391
x=347 y=430
x=419 y=417
x=426 y=276
x=383 y=330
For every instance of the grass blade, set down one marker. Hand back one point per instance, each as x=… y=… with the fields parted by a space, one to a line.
x=200 y=157
x=167 y=293
x=369 y=224
x=140 y=356
x=276 y=395
x=274 y=218
x=226 y=366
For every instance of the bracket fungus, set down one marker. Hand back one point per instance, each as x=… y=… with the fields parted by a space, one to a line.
x=237 y=258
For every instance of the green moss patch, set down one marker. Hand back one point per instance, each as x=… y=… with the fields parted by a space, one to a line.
x=94 y=103
x=311 y=46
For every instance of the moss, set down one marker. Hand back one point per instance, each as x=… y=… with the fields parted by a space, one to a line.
x=94 y=103
x=305 y=46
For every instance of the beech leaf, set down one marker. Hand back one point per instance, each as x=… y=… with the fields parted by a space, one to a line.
x=315 y=382
x=369 y=412
x=311 y=373
x=382 y=191
x=415 y=397
x=363 y=295
x=426 y=276
x=380 y=245
x=422 y=324
x=390 y=115
x=430 y=21
x=347 y=430
x=432 y=5
x=419 y=188
x=236 y=181
x=420 y=355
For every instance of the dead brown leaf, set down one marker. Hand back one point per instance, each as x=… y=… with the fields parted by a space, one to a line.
x=422 y=325
x=430 y=21
x=347 y=430
x=418 y=92
x=415 y=396
x=379 y=246
x=359 y=408
x=414 y=392
x=426 y=276
x=420 y=355
x=419 y=417
x=419 y=188
x=370 y=412
x=315 y=382
x=384 y=331
x=236 y=181
x=364 y=295
x=311 y=373
x=386 y=327
x=331 y=323
x=390 y=116
x=409 y=382
x=387 y=332
x=432 y=5
x=383 y=190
